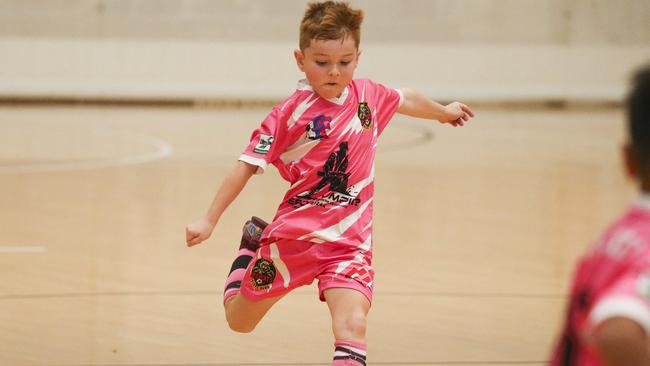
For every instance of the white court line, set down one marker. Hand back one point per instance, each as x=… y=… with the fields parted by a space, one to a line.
x=163 y=150
x=25 y=249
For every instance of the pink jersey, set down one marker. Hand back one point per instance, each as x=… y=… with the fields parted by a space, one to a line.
x=325 y=148
x=612 y=280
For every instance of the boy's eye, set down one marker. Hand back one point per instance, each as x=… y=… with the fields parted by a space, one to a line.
x=345 y=63
x=321 y=63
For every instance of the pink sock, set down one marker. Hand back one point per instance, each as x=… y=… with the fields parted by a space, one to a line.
x=237 y=272
x=349 y=353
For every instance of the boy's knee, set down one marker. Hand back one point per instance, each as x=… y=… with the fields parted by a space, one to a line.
x=352 y=325
x=239 y=326
x=237 y=322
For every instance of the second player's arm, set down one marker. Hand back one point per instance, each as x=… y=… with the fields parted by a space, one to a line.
x=232 y=185
x=417 y=105
x=622 y=342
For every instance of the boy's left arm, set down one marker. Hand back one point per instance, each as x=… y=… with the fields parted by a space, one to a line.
x=417 y=105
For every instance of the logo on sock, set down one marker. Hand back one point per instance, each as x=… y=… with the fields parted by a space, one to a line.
x=262 y=274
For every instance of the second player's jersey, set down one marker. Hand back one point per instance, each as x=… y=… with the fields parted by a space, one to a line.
x=325 y=148
x=612 y=280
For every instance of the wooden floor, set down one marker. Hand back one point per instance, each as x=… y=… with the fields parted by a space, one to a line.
x=476 y=232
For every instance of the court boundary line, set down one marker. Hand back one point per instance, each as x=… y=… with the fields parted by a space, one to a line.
x=163 y=150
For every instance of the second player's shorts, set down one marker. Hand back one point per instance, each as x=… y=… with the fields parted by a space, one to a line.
x=284 y=265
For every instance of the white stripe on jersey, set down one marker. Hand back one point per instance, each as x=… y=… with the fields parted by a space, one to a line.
x=300 y=109
x=366 y=244
x=334 y=232
x=296 y=151
x=279 y=264
x=359 y=258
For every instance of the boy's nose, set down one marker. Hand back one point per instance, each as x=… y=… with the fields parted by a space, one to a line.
x=334 y=71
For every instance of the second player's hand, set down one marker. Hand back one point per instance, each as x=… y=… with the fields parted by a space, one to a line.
x=457 y=114
x=198 y=231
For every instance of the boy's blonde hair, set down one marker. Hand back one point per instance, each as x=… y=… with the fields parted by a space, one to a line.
x=330 y=20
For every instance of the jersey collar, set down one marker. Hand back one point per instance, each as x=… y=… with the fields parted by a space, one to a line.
x=303 y=84
x=643 y=202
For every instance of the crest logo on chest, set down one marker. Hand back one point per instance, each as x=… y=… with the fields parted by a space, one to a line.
x=363 y=112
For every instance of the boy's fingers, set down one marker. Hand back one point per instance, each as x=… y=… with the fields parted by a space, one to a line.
x=467 y=110
x=193 y=241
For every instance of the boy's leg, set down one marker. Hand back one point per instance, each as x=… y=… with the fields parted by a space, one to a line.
x=243 y=314
x=250 y=243
x=349 y=309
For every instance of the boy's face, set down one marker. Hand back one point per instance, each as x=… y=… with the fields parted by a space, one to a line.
x=329 y=65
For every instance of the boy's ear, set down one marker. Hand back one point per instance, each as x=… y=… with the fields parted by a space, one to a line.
x=300 y=59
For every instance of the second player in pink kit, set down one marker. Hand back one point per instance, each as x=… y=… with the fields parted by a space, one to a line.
x=323 y=140
x=608 y=317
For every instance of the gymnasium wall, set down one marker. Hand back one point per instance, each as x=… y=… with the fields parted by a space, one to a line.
x=242 y=49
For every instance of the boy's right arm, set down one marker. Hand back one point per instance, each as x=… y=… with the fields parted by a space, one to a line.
x=200 y=230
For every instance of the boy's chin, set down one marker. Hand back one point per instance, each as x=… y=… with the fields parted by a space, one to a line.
x=329 y=94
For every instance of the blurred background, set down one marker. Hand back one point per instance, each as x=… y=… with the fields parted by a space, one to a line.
x=118 y=120
x=242 y=49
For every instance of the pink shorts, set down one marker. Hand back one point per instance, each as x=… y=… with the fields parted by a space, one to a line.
x=284 y=265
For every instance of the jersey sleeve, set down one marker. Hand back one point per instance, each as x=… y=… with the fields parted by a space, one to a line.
x=629 y=298
x=388 y=101
x=268 y=141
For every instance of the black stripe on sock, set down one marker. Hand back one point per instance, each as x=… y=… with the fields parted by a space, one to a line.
x=241 y=262
x=361 y=361
x=349 y=351
x=233 y=284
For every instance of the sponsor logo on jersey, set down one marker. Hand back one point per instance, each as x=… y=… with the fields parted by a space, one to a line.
x=264 y=145
x=334 y=178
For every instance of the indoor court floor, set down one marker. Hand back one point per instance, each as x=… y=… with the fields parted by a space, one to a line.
x=476 y=233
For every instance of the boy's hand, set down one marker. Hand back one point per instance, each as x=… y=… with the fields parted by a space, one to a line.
x=457 y=114
x=198 y=231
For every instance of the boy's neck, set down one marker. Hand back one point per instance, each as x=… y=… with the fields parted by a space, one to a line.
x=336 y=99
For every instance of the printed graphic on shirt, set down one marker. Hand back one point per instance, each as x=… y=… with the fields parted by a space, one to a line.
x=363 y=112
x=334 y=175
x=318 y=127
x=361 y=274
x=262 y=274
x=264 y=145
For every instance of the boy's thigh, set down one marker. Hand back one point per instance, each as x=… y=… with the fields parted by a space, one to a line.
x=243 y=311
